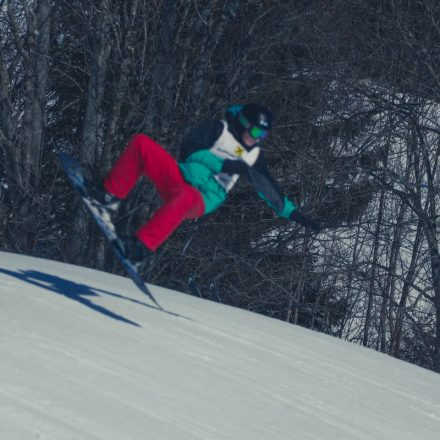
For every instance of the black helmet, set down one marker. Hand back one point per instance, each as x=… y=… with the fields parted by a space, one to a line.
x=254 y=118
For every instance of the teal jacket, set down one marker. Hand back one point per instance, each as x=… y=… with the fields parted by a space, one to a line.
x=202 y=154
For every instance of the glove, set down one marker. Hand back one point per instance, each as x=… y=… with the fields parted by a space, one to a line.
x=234 y=167
x=298 y=217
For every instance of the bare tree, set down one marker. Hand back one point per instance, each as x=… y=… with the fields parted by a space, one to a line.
x=24 y=77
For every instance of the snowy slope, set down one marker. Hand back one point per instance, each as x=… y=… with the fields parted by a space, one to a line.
x=84 y=355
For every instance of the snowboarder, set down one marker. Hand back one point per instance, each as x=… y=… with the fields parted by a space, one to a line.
x=212 y=158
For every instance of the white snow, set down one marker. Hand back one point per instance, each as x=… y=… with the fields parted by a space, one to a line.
x=84 y=355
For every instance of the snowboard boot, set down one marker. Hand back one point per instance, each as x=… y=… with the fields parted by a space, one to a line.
x=98 y=195
x=138 y=254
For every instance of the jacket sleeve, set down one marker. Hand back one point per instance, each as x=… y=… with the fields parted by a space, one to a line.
x=270 y=191
x=202 y=137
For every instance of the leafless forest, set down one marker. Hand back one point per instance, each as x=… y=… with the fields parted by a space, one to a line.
x=355 y=89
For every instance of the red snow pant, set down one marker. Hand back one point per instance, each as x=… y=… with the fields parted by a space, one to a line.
x=143 y=156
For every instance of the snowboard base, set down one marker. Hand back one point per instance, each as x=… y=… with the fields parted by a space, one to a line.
x=75 y=174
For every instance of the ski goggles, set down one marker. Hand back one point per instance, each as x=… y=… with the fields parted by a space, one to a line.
x=254 y=131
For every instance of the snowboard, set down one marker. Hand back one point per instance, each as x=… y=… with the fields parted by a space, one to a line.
x=193 y=288
x=75 y=174
x=213 y=292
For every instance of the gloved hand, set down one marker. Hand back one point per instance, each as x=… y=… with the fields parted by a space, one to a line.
x=234 y=167
x=297 y=216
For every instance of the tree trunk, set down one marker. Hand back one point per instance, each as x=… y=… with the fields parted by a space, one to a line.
x=373 y=274
x=92 y=134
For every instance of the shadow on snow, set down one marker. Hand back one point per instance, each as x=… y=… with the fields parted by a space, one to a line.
x=70 y=289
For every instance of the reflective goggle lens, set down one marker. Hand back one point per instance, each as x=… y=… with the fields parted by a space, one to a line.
x=257 y=132
x=253 y=130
